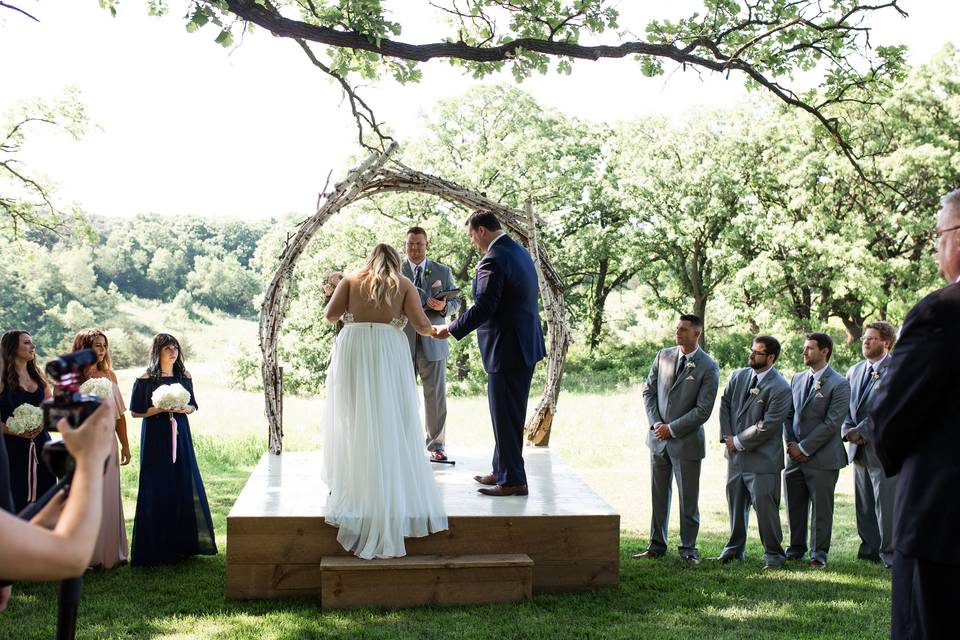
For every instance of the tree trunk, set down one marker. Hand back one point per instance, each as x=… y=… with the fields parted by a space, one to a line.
x=599 y=301
x=854 y=327
x=700 y=310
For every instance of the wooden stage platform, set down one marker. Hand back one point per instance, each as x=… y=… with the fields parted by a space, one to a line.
x=277 y=539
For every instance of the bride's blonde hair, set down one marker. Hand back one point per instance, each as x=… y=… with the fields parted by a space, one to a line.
x=380 y=277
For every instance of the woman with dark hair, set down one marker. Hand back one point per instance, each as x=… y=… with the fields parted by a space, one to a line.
x=173 y=519
x=111 y=547
x=22 y=383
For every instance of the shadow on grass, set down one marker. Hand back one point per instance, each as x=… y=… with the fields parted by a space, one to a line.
x=656 y=599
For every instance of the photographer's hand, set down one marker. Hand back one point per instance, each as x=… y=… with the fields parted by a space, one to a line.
x=50 y=514
x=29 y=552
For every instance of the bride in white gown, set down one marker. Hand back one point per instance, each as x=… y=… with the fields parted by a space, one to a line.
x=381 y=485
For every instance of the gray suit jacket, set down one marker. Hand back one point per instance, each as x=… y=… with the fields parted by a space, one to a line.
x=685 y=403
x=757 y=422
x=433 y=349
x=857 y=417
x=815 y=421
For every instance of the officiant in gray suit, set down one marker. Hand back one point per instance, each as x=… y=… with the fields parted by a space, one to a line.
x=679 y=395
x=429 y=354
x=821 y=399
x=754 y=406
x=874 y=491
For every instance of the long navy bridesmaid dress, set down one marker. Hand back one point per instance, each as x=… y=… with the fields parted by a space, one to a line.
x=173 y=519
x=29 y=476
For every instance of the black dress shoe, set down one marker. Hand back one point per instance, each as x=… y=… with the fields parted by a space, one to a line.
x=648 y=554
x=816 y=564
x=726 y=559
x=505 y=490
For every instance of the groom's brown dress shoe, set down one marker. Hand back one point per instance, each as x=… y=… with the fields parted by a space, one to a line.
x=487 y=479
x=505 y=490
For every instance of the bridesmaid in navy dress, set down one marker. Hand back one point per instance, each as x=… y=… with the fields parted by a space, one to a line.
x=22 y=383
x=173 y=519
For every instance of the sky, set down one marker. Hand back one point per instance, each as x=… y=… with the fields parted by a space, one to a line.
x=181 y=125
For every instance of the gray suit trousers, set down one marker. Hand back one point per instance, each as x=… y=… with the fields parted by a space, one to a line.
x=874 y=495
x=804 y=487
x=762 y=490
x=433 y=376
x=687 y=473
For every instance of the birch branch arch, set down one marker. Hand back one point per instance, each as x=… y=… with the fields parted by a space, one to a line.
x=378 y=174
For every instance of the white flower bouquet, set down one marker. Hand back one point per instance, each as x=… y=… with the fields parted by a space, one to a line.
x=169 y=396
x=25 y=418
x=100 y=387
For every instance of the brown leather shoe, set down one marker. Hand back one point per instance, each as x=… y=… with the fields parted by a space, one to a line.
x=692 y=560
x=647 y=554
x=505 y=490
x=487 y=479
x=816 y=564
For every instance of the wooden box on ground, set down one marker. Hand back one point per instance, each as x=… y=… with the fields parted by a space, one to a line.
x=277 y=537
x=425 y=580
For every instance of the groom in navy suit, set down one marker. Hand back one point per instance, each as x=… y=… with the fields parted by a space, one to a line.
x=507 y=320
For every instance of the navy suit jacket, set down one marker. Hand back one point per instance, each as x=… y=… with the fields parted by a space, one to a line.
x=505 y=311
x=916 y=415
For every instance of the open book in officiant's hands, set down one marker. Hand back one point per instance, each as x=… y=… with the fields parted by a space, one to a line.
x=443 y=295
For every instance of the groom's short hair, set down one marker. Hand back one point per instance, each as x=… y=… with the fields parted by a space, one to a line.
x=694 y=321
x=483 y=218
x=418 y=231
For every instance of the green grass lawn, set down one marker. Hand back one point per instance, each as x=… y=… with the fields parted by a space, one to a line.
x=599 y=435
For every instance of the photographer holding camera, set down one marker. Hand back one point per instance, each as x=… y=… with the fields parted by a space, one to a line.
x=58 y=542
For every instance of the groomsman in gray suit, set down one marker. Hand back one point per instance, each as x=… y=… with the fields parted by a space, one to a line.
x=429 y=354
x=679 y=395
x=874 y=492
x=821 y=399
x=754 y=406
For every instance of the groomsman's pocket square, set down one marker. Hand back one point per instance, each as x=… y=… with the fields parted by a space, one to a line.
x=819 y=396
x=689 y=377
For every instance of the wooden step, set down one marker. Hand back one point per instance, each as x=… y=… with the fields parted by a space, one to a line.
x=411 y=581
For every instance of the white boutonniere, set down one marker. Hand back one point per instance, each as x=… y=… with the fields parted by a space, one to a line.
x=875 y=376
x=754 y=391
x=691 y=364
x=816 y=387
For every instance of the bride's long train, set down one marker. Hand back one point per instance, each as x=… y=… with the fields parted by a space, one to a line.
x=382 y=488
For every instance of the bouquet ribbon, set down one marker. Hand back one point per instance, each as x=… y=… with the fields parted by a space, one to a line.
x=32 y=472
x=173 y=438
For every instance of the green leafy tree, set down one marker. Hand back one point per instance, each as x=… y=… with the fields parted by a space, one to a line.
x=28 y=201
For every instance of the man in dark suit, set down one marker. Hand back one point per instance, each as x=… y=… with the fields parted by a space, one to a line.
x=754 y=406
x=873 y=489
x=506 y=318
x=821 y=399
x=916 y=414
x=678 y=396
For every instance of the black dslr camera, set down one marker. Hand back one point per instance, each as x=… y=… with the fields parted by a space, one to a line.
x=67 y=402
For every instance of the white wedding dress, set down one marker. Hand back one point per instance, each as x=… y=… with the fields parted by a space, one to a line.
x=381 y=485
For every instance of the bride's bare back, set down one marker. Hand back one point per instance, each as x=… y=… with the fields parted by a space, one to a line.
x=350 y=298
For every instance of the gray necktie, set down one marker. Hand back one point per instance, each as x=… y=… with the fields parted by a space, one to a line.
x=418 y=278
